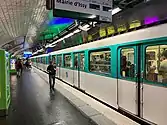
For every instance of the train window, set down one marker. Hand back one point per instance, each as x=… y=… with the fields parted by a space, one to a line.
x=67 y=61
x=54 y=59
x=100 y=61
x=44 y=60
x=40 y=59
x=79 y=57
x=76 y=61
x=82 y=58
x=127 y=67
x=156 y=63
x=59 y=61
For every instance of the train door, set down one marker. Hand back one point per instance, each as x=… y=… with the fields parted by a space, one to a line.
x=76 y=70
x=54 y=59
x=129 y=81
x=50 y=58
x=78 y=67
x=155 y=82
x=59 y=64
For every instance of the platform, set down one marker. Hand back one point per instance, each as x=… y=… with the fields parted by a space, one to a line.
x=91 y=108
x=34 y=104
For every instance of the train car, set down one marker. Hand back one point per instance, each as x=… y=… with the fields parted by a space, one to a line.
x=41 y=61
x=127 y=71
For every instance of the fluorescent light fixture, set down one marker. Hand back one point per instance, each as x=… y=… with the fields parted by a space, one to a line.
x=92 y=16
x=70 y=34
x=93 y=23
x=67 y=36
x=116 y=10
x=60 y=40
x=147 y=0
x=84 y=28
x=55 y=42
x=52 y=45
x=76 y=31
x=40 y=50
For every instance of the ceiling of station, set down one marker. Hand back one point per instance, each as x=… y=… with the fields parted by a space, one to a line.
x=19 y=18
x=23 y=20
x=124 y=4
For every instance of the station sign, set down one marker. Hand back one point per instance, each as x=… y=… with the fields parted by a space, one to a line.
x=85 y=9
x=27 y=54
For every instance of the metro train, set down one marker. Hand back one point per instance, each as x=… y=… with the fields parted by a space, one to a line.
x=122 y=71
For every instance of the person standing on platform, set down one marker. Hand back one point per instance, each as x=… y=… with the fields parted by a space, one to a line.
x=19 y=67
x=51 y=69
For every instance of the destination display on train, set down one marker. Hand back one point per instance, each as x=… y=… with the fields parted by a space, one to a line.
x=101 y=8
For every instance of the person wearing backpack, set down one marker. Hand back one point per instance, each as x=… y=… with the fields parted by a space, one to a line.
x=51 y=69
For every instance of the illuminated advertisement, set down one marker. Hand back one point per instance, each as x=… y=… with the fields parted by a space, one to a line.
x=12 y=64
x=27 y=54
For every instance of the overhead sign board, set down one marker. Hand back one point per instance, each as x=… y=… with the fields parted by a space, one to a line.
x=86 y=9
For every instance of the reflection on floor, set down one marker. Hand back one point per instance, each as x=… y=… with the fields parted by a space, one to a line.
x=34 y=104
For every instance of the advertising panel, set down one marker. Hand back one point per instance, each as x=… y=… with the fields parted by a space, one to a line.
x=12 y=64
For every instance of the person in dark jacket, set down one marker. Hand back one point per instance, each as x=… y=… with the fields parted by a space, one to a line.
x=19 y=67
x=51 y=69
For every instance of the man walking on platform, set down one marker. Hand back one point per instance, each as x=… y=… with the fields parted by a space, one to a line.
x=51 y=69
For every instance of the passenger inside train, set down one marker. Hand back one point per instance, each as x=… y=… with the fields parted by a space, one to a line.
x=163 y=67
x=100 y=61
x=127 y=63
x=156 y=63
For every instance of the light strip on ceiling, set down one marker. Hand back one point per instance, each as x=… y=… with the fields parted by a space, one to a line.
x=84 y=28
x=67 y=36
x=116 y=10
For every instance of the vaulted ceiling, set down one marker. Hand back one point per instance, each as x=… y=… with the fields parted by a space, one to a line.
x=19 y=18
